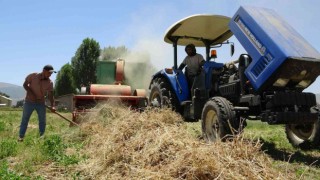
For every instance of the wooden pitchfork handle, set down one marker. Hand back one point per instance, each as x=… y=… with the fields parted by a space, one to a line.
x=63 y=117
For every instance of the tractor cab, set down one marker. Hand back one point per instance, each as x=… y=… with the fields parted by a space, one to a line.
x=169 y=87
x=204 y=31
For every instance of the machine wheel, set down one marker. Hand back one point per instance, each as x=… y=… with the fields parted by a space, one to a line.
x=305 y=136
x=218 y=120
x=162 y=96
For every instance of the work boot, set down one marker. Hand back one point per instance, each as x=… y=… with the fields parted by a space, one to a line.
x=20 y=139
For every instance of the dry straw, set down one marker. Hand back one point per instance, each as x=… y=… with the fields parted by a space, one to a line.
x=155 y=144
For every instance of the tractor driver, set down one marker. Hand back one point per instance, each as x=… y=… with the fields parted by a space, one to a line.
x=194 y=63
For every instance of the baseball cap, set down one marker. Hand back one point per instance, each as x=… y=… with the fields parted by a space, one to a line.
x=49 y=68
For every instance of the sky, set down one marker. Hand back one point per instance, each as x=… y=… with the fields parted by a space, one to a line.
x=34 y=33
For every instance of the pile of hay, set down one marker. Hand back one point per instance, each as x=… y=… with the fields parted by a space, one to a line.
x=156 y=144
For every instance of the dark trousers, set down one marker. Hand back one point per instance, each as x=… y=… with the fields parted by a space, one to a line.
x=190 y=80
x=28 y=108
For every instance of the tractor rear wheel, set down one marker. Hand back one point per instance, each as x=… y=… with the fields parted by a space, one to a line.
x=218 y=120
x=305 y=136
x=162 y=96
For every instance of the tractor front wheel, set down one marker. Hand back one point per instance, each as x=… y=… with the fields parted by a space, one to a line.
x=218 y=120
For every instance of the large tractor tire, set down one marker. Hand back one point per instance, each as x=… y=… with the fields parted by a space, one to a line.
x=162 y=96
x=305 y=136
x=218 y=120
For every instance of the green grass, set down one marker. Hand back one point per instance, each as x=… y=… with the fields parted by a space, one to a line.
x=305 y=164
x=269 y=134
x=6 y=173
x=8 y=148
x=20 y=160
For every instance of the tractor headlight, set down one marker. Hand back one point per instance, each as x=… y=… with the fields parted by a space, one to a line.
x=281 y=82
x=303 y=84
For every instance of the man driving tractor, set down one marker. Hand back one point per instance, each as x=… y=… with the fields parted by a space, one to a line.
x=194 y=63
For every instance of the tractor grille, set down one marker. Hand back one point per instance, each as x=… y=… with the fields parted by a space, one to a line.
x=229 y=89
x=260 y=66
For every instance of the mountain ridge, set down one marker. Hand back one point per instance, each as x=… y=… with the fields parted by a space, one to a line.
x=16 y=93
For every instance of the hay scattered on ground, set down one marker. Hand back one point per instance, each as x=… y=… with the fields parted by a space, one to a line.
x=155 y=144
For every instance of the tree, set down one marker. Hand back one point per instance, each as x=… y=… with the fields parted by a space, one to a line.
x=84 y=63
x=64 y=81
x=112 y=53
x=20 y=103
x=4 y=94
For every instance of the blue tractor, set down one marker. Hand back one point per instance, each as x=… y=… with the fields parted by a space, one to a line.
x=266 y=83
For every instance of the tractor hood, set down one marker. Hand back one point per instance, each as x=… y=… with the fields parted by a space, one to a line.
x=281 y=57
x=198 y=29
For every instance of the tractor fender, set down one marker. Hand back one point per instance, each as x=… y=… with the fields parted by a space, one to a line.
x=177 y=81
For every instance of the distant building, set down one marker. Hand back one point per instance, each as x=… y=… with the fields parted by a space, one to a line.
x=65 y=101
x=4 y=101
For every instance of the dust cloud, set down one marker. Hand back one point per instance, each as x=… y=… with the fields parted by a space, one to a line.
x=146 y=58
